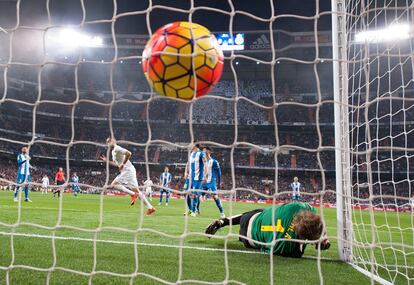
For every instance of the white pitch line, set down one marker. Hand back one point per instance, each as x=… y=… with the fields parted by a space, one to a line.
x=146 y=244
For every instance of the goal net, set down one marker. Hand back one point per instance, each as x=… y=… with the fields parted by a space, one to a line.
x=375 y=84
x=71 y=76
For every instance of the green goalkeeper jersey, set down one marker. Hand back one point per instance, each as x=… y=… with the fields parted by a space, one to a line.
x=263 y=230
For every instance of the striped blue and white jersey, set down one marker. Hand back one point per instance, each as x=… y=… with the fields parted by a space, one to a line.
x=75 y=180
x=295 y=187
x=165 y=178
x=197 y=165
x=213 y=171
x=23 y=165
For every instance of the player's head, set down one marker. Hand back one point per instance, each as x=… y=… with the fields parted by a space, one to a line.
x=25 y=149
x=60 y=169
x=74 y=174
x=110 y=142
x=196 y=146
x=207 y=150
x=166 y=169
x=308 y=225
x=295 y=179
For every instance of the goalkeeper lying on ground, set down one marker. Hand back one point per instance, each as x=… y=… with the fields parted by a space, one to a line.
x=291 y=221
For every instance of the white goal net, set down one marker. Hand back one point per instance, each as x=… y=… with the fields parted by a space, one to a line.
x=71 y=76
x=376 y=84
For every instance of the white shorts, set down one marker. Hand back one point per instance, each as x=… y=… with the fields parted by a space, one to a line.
x=148 y=190
x=128 y=178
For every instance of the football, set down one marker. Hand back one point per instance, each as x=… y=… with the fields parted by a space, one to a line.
x=182 y=60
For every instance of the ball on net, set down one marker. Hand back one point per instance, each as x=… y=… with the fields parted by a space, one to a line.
x=182 y=60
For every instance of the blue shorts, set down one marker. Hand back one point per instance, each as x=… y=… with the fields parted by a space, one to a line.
x=296 y=196
x=163 y=190
x=210 y=187
x=21 y=178
x=196 y=184
x=75 y=188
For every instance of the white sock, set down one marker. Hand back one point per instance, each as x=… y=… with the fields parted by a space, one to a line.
x=124 y=189
x=143 y=198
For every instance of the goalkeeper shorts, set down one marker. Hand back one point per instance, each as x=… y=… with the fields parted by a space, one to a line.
x=244 y=226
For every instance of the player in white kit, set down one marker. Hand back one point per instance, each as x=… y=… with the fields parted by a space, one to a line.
x=126 y=180
x=148 y=188
x=45 y=184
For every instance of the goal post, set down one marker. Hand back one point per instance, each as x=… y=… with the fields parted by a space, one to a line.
x=341 y=126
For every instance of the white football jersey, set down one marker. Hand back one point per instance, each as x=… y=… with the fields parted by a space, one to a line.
x=148 y=185
x=118 y=156
x=45 y=182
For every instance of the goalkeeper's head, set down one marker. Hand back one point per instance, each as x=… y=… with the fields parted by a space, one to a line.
x=308 y=225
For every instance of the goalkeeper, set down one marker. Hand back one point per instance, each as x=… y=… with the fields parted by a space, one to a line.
x=291 y=221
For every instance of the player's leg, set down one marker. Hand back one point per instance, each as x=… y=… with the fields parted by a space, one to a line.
x=193 y=204
x=150 y=208
x=242 y=220
x=149 y=194
x=194 y=197
x=118 y=186
x=142 y=197
x=189 y=202
x=199 y=195
x=16 y=189
x=219 y=205
x=167 y=197
x=161 y=194
x=26 y=190
x=218 y=224
x=132 y=183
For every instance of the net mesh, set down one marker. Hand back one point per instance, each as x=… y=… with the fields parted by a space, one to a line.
x=79 y=100
x=380 y=77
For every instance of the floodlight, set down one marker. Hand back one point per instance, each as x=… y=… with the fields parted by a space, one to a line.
x=391 y=33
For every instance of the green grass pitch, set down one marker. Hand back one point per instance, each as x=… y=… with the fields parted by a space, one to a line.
x=158 y=254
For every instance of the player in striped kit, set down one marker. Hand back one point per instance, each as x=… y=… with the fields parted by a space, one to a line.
x=75 y=184
x=195 y=171
x=296 y=186
x=165 y=180
x=23 y=174
x=213 y=178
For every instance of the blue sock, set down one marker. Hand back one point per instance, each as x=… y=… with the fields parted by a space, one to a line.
x=167 y=197
x=219 y=206
x=194 y=205
x=16 y=191
x=26 y=192
x=160 y=198
x=198 y=204
x=190 y=207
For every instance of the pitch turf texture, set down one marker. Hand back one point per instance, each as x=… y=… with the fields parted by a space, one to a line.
x=202 y=259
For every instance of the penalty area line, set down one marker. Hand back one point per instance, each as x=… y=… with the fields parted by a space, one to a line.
x=146 y=244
